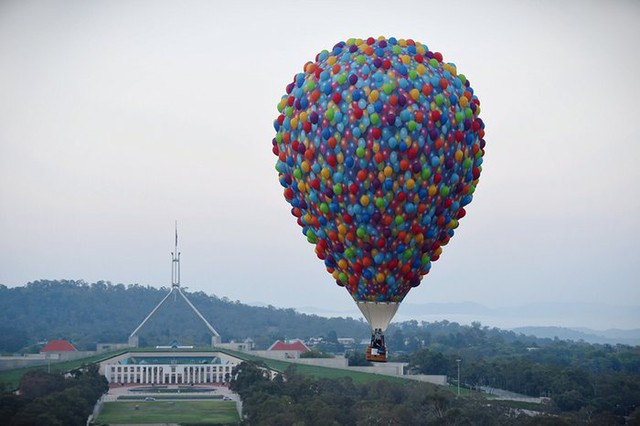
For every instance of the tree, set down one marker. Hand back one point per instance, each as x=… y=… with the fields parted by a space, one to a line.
x=37 y=383
x=12 y=339
x=332 y=337
x=571 y=400
x=10 y=404
x=428 y=362
x=357 y=358
x=248 y=374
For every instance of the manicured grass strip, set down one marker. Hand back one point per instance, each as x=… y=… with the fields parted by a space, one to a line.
x=192 y=412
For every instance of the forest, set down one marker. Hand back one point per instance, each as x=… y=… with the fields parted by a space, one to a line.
x=292 y=398
x=589 y=380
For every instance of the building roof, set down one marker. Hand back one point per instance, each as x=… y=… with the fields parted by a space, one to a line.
x=293 y=345
x=58 y=346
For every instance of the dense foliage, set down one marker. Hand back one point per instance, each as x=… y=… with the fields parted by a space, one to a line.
x=577 y=376
x=51 y=399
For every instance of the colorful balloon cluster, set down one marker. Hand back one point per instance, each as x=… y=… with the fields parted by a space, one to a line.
x=379 y=149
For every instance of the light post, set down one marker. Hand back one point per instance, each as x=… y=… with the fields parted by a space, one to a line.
x=458 y=362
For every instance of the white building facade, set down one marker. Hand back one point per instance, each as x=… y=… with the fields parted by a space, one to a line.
x=180 y=368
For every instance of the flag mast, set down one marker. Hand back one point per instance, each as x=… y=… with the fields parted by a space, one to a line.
x=177 y=291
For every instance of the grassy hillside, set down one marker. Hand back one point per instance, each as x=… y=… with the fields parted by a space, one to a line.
x=10 y=379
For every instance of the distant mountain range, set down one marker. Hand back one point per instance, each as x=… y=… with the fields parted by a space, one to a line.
x=588 y=322
x=611 y=336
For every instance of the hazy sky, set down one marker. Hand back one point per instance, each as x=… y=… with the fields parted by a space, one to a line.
x=119 y=117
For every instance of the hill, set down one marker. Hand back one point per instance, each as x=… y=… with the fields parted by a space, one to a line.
x=88 y=314
x=606 y=337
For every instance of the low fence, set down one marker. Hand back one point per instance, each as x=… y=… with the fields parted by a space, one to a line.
x=429 y=378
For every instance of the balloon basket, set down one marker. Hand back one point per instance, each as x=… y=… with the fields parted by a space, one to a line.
x=377 y=351
x=374 y=355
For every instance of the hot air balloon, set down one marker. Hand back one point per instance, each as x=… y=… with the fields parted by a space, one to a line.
x=379 y=146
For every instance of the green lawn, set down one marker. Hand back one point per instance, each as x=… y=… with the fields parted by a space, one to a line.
x=316 y=371
x=193 y=412
x=11 y=378
x=356 y=376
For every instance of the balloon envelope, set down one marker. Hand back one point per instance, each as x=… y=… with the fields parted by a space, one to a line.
x=378 y=314
x=379 y=146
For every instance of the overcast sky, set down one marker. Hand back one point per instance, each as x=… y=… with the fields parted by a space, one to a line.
x=119 y=117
